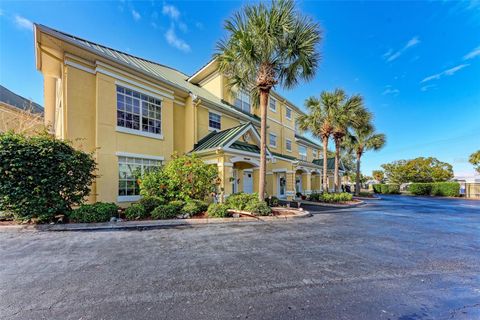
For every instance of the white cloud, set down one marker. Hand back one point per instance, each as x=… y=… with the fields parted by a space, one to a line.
x=23 y=23
x=175 y=41
x=389 y=90
x=472 y=54
x=448 y=72
x=171 y=11
x=391 y=55
x=136 y=16
x=427 y=87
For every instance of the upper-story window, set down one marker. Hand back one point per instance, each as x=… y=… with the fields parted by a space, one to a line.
x=129 y=168
x=288 y=144
x=288 y=113
x=314 y=153
x=273 y=140
x=273 y=104
x=214 y=121
x=138 y=111
x=302 y=152
x=242 y=100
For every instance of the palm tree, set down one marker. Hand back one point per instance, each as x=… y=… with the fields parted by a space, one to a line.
x=363 y=138
x=319 y=120
x=348 y=112
x=266 y=46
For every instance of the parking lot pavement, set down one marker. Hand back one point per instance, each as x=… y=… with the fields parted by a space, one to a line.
x=398 y=258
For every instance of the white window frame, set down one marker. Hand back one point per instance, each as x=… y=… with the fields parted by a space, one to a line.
x=302 y=156
x=314 y=153
x=270 y=140
x=244 y=97
x=132 y=158
x=287 y=111
x=210 y=113
x=272 y=99
x=287 y=142
x=139 y=131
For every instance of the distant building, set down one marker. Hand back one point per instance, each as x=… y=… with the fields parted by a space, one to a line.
x=18 y=113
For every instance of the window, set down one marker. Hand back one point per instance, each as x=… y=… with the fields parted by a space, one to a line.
x=273 y=104
x=273 y=140
x=242 y=100
x=288 y=145
x=288 y=113
x=314 y=153
x=128 y=170
x=302 y=151
x=214 y=121
x=138 y=111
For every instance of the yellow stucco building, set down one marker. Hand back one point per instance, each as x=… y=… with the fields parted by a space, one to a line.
x=133 y=114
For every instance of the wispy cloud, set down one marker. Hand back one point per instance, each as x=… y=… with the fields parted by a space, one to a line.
x=472 y=54
x=136 y=16
x=390 y=91
x=171 y=11
x=445 y=73
x=23 y=23
x=391 y=55
x=427 y=87
x=175 y=41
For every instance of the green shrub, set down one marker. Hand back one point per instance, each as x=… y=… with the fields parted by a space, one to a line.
x=150 y=203
x=164 y=211
x=258 y=208
x=182 y=178
x=315 y=197
x=193 y=207
x=97 y=212
x=178 y=204
x=446 y=189
x=420 y=189
x=272 y=201
x=41 y=176
x=239 y=201
x=336 y=197
x=218 y=210
x=391 y=188
x=377 y=188
x=135 y=212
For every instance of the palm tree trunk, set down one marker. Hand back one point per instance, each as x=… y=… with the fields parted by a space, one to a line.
x=325 y=164
x=357 y=178
x=337 y=161
x=263 y=144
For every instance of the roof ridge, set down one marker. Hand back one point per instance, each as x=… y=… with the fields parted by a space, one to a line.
x=109 y=48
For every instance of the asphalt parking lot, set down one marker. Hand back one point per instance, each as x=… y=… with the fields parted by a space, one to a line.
x=397 y=258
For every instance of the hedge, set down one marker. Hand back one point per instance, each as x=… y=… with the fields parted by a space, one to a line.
x=391 y=188
x=97 y=212
x=442 y=189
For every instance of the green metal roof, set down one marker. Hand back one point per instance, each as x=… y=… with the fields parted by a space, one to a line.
x=218 y=139
x=330 y=164
x=299 y=137
x=239 y=145
x=276 y=154
x=153 y=69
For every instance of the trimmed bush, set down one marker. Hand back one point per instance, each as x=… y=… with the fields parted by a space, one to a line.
x=315 y=197
x=164 y=211
x=193 y=207
x=41 y=176
x=272 y=201
x=218 y=210
x=178 y=204
x=377 y=188
x=258 y=208
x=97 y=212
x=336 y=197
x=150 y=203
x=420 y=189
x=446 y=189
x=239 y=201
x=135 y=212
x=391 y=188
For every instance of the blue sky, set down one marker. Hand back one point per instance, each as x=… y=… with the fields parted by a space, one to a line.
x=417 y=64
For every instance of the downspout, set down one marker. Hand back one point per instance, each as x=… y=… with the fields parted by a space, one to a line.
x=196 y=101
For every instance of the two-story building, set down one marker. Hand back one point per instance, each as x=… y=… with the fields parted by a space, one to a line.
x=133 y=114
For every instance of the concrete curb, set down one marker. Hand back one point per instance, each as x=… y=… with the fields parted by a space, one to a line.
x=366 y=198
x=150 y=224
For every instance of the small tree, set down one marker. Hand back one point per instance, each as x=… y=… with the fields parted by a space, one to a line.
x=183 y=178
x=378 y=175
x=475 y=160
x=41 y=176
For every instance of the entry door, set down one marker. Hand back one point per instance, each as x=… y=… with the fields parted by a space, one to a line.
x=298 y=184
x=247 y=182
x=281 y=185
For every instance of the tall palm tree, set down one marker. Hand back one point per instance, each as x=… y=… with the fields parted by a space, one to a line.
x=319 y=120
x=266 y=46
x=348 y=112
x=363 y=138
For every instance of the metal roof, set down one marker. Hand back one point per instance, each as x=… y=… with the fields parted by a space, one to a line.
x=12 y=99
x=330 y=164
x=218 y=139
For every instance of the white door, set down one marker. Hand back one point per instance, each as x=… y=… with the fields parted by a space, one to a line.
x=281 y=185
x=298 y=184
x=247 y=182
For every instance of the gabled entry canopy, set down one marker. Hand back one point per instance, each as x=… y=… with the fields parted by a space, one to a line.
x=240 y=139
